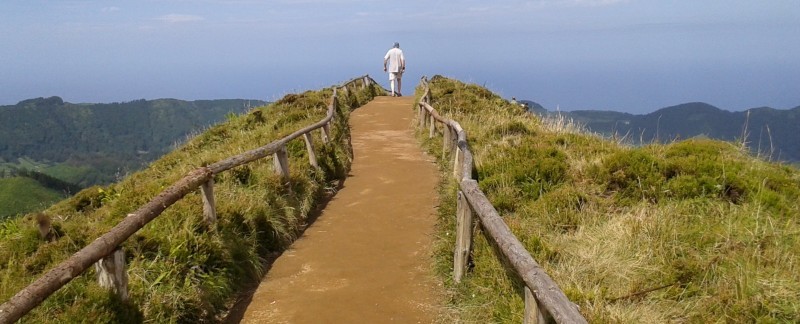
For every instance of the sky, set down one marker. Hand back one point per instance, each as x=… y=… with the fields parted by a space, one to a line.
x=634 y=56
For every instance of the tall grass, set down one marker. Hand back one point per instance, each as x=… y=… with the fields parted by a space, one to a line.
x=692 y=231
x=181 y=270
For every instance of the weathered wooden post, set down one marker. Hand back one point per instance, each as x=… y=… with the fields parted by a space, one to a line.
x=422 y=112
x=533 y=314
x=453 y=138
x=209 y=207
x=447 y=142
x=326 y=133
x=281 y=160
x=463 y=237
x=312 y=156
x=458 y=160
x=111 y=273
x=466 y=165
x=432 y=131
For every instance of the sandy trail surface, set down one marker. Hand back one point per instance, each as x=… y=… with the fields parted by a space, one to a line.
x=367 y=258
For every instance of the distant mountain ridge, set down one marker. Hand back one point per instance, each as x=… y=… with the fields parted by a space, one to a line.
x=106 y=138
x=770 y=132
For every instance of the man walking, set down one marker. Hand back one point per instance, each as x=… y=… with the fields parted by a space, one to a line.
x=397 y=65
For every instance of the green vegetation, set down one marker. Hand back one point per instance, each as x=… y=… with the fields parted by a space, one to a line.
x=770 y=133
x=181 y=270
x=89 y=144
x=693 y=231
x=19 y=195
x=24 y=190
x=47 y=139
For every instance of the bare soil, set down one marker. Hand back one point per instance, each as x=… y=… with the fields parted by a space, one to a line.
x=367 y=257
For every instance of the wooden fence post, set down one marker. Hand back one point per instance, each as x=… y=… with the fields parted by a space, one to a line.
x=326 y=133
x=209 y=207
x=432 y=127
x=453 y=139
x=533 y=314
x=281 y=160
x=312 y=156
x=447 y=142
x=466 y=166
x=422 y=112
x=111 y=273
x=458 y=160
x=463 y=237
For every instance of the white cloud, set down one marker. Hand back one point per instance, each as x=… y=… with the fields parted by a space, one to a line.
x=179 y=18
x=110 y=9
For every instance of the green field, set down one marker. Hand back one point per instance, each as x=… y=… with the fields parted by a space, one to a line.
x=20 y=195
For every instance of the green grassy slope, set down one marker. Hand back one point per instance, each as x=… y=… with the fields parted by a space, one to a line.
x=181 y=271
x=110 y=138
x=693 y=231
x=19 y=195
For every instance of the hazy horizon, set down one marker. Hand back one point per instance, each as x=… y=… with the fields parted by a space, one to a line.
x=633 y=56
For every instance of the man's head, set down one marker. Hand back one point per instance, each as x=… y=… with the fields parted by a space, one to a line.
x=396 y=45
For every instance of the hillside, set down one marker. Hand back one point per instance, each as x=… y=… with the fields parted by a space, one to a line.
x=692 y=231
x=180 y=269
x=23 y=195
x=96 y=143
x=23 y=191
x=771 y=133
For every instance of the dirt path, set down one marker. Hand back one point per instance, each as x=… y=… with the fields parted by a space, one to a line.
x=366 y=259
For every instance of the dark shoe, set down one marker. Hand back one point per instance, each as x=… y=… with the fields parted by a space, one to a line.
x=399 y=95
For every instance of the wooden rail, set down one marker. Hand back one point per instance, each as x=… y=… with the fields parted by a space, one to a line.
x=544 y=300
x=105 y=251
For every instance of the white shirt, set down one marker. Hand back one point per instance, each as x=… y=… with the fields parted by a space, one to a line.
x=395 y=59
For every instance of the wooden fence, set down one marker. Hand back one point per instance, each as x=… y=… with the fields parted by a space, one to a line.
x=105 y=251
x=544 y=300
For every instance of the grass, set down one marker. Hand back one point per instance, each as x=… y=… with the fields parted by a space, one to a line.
x=180 y=270
x=692 y=231
x=20 y=195
x=66 y=171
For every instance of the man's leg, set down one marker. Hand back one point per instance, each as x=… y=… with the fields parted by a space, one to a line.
x=391 y=82
x=399 y=85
